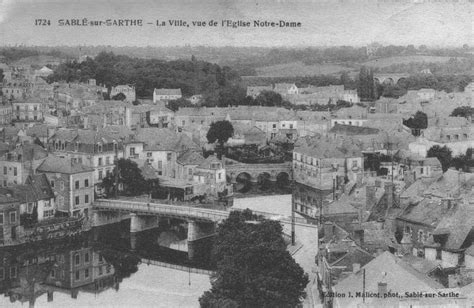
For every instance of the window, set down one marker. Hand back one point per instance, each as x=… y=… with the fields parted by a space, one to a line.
x=13 y=272
x=291 y=126
x=77 y=200
x=219 y=176
x=30 y=207
x=100 y=271
x=78 y=275
x=86 y=183
x=100 y=174
x=1 y=218
x=107 y=160
x=86 y=257
x=190 y=171
x=101 y=259
x=12 y=217
x=77 y=259
x=274 y=126
x=100 y=147
x=420 y=236
x=76 y=184
x=86 y=273
x=2 y=273
x=15 y=171
x=5 y=171
x=60 y=201
x=61 y=185
x=160 y=164
x=149 y=154
x=354 y=164
x=168 y=156
x=53 y=273
x=52 y=183
x=86 y=199
x=132 y=151
x=100 y=161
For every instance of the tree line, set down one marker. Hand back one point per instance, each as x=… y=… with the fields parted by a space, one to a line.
x=191 y=76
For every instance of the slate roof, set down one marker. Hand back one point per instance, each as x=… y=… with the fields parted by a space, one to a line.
x=167 y=92
x=350 y=130
x=30 y=152
x=162 y=139
x=54 y=164
x=429 y=212
x=206 y=164
x=459 y=226
x=40 y=130
x=41 y=186
x=398 y=274
x=190 y=157
x=324 y=148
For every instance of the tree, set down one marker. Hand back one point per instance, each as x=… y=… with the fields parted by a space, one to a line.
x=220 y=131
x=366 y=84
x=463 y=111
x=443 y=154
x=130 y=176
x=254 y=269
x=417 y=122
x=119 y=97
x=269 y=98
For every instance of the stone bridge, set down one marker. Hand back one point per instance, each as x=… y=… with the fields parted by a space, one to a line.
x=251 y=172
x=391 y=79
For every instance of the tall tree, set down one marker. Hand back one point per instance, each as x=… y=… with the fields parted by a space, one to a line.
x=253 y=267
x=443 y=154
x=220 y=131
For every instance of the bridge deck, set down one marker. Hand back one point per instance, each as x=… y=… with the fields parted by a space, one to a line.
x=162 y=209
x=190 y=212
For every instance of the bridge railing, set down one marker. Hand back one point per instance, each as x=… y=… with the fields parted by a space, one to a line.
x=285 y=219
x=171 y=210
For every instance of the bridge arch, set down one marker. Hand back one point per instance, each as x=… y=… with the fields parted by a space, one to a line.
x=389 y=81
x=401 y=80
x=283 y=179
x=243 y=182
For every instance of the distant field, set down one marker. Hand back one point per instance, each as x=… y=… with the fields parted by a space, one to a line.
x=383 y=62
x=298 y=69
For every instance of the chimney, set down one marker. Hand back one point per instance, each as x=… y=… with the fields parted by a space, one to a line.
x=355 y=267
x=50 y=296
x=389 y=193
x=328 y=230
x=382 y=288
x=370 y=196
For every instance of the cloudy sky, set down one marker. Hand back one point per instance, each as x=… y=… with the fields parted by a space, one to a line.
x=324 y=22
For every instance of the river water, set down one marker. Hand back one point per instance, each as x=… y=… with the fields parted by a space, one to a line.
x=100 y=269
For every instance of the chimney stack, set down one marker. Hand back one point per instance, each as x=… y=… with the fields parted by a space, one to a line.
x=355 y=267
x=382 y=288
x=370 y=196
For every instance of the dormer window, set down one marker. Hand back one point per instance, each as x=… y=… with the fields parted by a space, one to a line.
x=99 y=147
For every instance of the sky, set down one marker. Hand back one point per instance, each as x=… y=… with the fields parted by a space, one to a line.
x=323 y=22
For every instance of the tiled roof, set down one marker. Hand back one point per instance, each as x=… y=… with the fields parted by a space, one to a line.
x=54 y=164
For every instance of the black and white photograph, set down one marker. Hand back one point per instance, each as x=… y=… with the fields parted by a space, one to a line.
x=236 y=154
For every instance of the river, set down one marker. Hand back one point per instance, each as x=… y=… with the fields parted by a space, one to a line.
x=99 y=269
